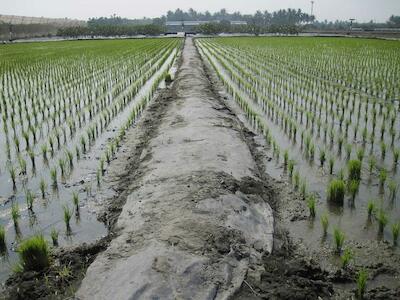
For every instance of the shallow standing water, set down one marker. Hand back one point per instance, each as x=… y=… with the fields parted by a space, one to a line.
x=47 y=213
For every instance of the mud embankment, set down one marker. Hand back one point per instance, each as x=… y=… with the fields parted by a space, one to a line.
x=196 y=217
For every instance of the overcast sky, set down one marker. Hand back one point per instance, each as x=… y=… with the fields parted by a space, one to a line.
x=362 y=10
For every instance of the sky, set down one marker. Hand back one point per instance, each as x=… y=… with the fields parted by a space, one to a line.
x=361 y=10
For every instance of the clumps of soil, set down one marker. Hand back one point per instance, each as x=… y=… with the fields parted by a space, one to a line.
x=61 y=279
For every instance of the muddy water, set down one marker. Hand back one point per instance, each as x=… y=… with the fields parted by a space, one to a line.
x=196 y=217
x=48 y=212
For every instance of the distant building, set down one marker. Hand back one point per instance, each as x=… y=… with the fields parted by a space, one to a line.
x=190 y=26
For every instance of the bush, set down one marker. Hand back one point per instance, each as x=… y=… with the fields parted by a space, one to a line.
x=336 y=191
x=34 y=254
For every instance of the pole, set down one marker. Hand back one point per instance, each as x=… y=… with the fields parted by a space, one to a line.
x=312 y=8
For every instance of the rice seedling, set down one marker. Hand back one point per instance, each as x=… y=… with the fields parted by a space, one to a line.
x=371 y=208
x=42 y=187
x=98 y=177
x=102 y=165
x=29 y=199
x=67 y=217
x=54 y=237
x=362 y=277
x=322 y=157
x=360 y=154
x=12 y=173
x=336 y=191
x=331 y=164
x=22 y=165
x=15 y=214
x=383 y=150
x=349 y=148
x=296 y=180
x=325 y=223
x=44 y=152
x=34 y=254
x=77 y=153
x=61 y=164
x=75 y=201
x=70 y=158
x=303 y=189
x=354 y=170
x=32 y=157
x=53 y=175
x=290 y=168
x=285 y=157
x=382 y=219
x=396 y=154
x=311 y=205
x=346 y=257
x=371 y=163
x=392 y=190
x=382 y=177
x=3 y=244
x=353 y=187
x=338 y=237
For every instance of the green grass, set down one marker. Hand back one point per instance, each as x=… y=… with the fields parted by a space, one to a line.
x=336 y=191
x=34 y=254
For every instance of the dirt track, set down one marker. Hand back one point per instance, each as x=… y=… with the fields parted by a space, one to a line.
x=197 y=216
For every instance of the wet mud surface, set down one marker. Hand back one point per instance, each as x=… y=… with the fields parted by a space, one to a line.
x=188 y=206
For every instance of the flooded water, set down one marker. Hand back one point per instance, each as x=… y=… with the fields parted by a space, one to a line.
x=352 y=218
x=47 y=212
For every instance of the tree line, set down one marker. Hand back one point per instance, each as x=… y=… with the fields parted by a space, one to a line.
x=287 y=21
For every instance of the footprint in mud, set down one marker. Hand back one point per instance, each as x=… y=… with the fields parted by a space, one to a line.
x=179 y=121
x=222 y=157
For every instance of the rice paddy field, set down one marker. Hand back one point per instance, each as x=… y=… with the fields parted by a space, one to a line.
x=65 y=106
x=267 y=167
x=328 y=109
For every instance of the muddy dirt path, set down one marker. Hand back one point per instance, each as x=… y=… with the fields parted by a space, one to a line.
x=197 y=217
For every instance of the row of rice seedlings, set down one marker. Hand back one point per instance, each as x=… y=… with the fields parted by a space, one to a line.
x=339 y=143
x=337 y=188
x=72 y=127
